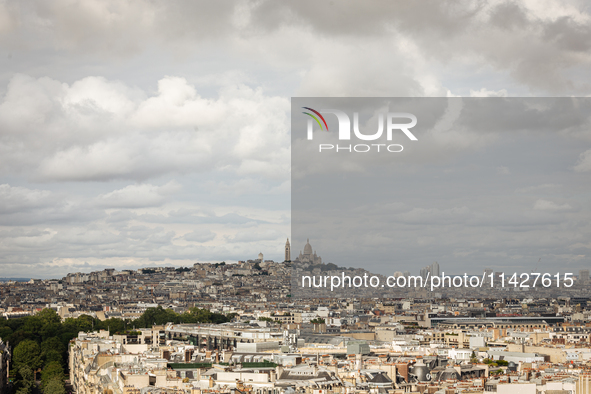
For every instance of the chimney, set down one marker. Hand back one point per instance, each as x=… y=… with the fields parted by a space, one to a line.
x=403 y=370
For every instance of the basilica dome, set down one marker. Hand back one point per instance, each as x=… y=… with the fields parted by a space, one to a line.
x=309 y=256
x=308 y=248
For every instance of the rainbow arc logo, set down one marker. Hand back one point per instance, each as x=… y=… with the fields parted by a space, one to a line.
x=315 y=118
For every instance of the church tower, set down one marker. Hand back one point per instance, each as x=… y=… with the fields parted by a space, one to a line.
x=287 y=251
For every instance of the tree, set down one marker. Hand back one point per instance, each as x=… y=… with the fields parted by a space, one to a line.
x=24 y=382
x=113 y=325
x=157 y=315
x=197 y=315
x=53 y=343
x=5 y=332
x=26 y=373
x=52 y=371
x=54 y=386
x=84 y=323
x=27 y=353
x=50 y=330
x=19 y=335
x=48 y=315
x=42 y=340
x=53 y=356
x=24 y=390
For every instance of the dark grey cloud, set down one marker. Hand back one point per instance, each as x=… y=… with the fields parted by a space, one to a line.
x=542 y=46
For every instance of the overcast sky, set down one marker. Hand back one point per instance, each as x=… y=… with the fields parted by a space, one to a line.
x=139 y=134
x=500 y=183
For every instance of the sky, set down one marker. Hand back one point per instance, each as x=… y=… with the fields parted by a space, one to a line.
x=138 y=134
x=497 y=182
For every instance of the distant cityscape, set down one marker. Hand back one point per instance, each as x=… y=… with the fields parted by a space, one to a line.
x=282 y=339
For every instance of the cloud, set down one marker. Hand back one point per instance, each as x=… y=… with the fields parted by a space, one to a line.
x=488 y=93
x=97 y=95
x=199 y=236
x=251 y=236
x=197 y=216
x=17 y=199
x=502 y=170
x=138 y=196
x=584 y=163
x=535 y=189
x=545 y=205
x=24 y=206
x=321 y=48
x=103 y=130
x=436 y=216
